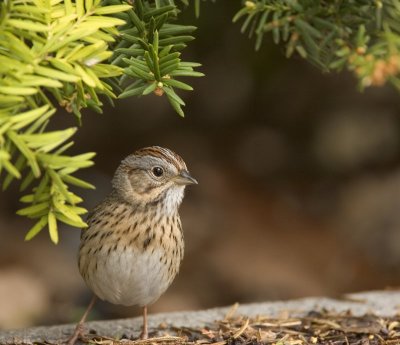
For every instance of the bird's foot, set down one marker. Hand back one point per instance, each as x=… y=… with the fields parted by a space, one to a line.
x=143 y=335
x=78 y=333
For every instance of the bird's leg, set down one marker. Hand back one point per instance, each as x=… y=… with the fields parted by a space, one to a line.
x=79 y=327
x=144 y=334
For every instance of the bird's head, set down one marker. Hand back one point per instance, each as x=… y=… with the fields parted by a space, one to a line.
x=151 y=175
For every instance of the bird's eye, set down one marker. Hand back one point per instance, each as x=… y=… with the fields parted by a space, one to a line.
x=158 y=171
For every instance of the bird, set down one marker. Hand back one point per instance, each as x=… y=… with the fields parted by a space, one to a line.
x=133 y=246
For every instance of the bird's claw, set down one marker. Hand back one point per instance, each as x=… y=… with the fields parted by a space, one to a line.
x=76 y=335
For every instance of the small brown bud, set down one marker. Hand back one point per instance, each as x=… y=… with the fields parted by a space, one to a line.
x=392 y=66
x=379 y=73
x=159 y=91
x=68 y=108
x=361 y=50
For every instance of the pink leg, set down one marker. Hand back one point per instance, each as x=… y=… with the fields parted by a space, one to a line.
x=144 y=334
x=79 y=327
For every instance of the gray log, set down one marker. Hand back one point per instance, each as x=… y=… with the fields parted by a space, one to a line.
x=381 y=303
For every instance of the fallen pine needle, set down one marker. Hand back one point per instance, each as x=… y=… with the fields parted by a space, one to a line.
x=231 y=312
x=241 y=329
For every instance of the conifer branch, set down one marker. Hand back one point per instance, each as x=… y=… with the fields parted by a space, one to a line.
x=52 y=52
x=361 y=36
x=71 y=54
x=149 y=50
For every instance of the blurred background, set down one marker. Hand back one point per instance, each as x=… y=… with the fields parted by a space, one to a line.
x=298 y=195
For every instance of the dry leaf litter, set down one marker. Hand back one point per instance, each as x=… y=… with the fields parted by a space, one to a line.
x=322 y=327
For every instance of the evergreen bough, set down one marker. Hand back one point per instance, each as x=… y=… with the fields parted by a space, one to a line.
x=73 y=54
x=362 y=36
x=76 y=54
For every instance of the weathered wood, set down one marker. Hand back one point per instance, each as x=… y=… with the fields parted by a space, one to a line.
x=382 y=303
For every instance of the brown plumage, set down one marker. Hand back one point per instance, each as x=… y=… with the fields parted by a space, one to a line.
x=133 y=246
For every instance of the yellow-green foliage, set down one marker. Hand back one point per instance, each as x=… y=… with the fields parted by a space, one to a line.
x=70 y=54
x=50 y=48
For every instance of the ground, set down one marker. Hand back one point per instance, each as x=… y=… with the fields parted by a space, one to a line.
x=315 y=328
x=363 y=318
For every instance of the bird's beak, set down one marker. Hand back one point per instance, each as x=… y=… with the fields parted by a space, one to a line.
x=184 y=178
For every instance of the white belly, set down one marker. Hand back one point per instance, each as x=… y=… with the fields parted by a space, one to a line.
x=130 y=278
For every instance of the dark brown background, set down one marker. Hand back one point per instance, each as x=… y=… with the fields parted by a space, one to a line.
x=299 y=187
